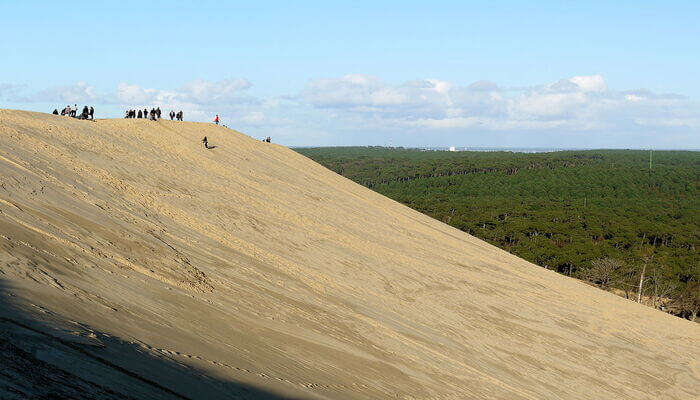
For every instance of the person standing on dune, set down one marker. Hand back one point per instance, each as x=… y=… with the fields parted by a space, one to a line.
x=216 y=119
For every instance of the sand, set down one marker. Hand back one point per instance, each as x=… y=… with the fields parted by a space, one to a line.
x=135 y=263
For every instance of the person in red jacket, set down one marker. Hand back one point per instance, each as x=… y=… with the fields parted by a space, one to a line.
x=216 y=119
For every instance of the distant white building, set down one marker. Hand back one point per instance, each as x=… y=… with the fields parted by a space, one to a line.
x=452 y=148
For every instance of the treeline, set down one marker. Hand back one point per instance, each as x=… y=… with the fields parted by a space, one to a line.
x=603 y=216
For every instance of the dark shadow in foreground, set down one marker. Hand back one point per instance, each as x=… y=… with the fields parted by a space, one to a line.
x=44 y=356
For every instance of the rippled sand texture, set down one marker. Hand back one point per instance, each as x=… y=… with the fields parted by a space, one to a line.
x=135 y=262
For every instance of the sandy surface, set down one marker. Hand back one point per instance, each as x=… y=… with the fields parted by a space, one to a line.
x=137 y=263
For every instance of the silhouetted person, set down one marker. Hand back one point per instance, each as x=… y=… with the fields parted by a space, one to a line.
x=172 y=115
x=158 y=112
x=55 y=111
x=206 y=143
x=91 y=112
x=84 y=113
x=140 y=114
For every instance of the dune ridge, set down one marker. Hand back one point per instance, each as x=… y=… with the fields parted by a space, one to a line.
x=250 y=264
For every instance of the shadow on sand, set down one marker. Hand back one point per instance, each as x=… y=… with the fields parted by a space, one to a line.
x=44 y=356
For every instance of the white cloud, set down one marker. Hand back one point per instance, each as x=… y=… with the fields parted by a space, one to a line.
x=592 y=83
x=253 y=118
x=199 y=91
x=365 y=93
x=134 y=94
x=483 y=86
x=9 y=91
x=543 y=105
x=206 y=92
x=579 y=103
x=79 y=92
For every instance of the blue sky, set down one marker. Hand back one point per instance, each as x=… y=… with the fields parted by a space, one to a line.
x=508 y=73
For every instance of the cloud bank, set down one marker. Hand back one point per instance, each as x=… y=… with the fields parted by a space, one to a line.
x=352 y=109
x=580 y=103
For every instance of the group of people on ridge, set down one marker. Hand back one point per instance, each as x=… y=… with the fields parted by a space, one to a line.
x=177 y=115
x=88 y=112
x=154 y=114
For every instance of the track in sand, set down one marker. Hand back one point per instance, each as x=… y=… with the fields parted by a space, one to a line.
x=135 y=263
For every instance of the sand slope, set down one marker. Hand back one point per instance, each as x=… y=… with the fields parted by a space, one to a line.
x=216 y=273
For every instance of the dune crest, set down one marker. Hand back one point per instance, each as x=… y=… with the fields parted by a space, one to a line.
x=250 y=270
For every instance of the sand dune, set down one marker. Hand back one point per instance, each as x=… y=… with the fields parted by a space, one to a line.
x=134 y=263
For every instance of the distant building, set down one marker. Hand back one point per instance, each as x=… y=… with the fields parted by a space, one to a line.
x=452 y=148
